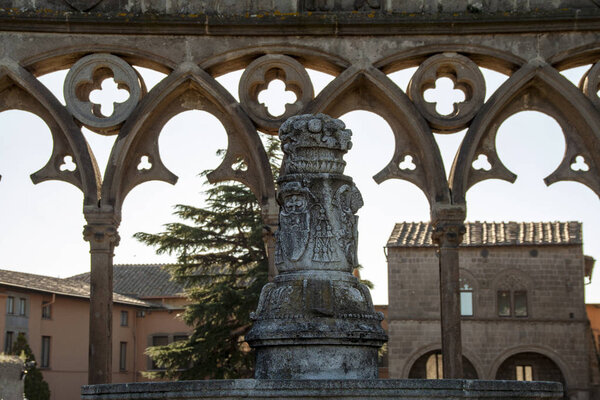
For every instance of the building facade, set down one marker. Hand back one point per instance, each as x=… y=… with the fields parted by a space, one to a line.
x=53 y=314
x=522 y=304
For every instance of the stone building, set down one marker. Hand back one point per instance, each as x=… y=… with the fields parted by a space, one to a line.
x=53 y=313
x=522 y=304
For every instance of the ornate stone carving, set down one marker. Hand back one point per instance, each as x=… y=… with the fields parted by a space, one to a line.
x=101 y=233
x=448 y=234
x=85 y=76
x=257 y=77
x=315 y=300
x=466 y=76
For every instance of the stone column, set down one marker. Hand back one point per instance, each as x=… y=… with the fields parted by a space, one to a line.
x=316 y=320
x=448 y=230
x=101 y=233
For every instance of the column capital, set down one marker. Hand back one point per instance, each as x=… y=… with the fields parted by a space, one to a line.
x=101 y=234
x=448 y=224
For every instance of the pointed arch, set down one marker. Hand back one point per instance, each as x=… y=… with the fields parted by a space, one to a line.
x=232 y=60
x=537 y=87
x=498 y=60
x=21 y=90
x=367 y=88
x=187 y=88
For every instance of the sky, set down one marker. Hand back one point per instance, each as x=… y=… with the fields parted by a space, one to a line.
x=42 y=224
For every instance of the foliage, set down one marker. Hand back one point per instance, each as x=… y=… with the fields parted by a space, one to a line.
x=222 y=262
x=36 y=388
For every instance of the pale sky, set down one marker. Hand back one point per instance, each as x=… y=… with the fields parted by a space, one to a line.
x=43 y=223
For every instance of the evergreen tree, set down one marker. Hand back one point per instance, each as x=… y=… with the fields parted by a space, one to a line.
x=36 y=388
x=222 y=262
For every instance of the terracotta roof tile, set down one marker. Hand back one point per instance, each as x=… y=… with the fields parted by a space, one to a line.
x=66 y=287
x=418 y=234
x=143 y=281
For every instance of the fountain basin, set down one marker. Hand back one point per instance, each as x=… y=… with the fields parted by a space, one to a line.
x=350 y=389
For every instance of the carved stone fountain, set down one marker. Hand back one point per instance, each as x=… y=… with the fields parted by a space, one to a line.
x=316 y=333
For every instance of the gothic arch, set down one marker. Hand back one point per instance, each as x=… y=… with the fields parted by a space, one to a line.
x=551 y=354
x=64 y=57
x=539 y=87
x=239 y=58
x=23 y=91
x=369 y=89
x=487 y=57
x=188 y=87
x=415 y=355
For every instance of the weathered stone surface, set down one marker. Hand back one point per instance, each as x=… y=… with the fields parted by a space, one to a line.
x=383 y=389
x=315 y=320
x=11 y=385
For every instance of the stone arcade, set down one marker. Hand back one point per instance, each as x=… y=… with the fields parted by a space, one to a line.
x=316 y=333
x=358 y=42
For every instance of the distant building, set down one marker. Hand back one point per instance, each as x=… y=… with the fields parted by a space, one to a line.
x=522 y=304
x=53 y=313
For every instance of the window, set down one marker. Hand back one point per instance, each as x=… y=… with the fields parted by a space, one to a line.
x=512 y=304
x=8 y=341
x=524 y=373
x=177 y=338
x=22 y=306
x=45 y=361
x=159 y=341
x=520 y=301
x=10 y=305
x=503 y=303
x=434 y=367
x=123 y=356
x=46 y=310
x=466 y=298
x=124 y=318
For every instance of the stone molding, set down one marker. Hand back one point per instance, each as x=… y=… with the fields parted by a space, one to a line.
x=382 y=389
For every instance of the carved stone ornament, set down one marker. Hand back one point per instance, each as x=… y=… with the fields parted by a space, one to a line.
x=590 y=83
x=466 y=77
x=87 y=75
x=257 y=77
x=316 y=320
x=83 y=5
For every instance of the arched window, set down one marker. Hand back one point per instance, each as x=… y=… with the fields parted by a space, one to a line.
x=511 y=298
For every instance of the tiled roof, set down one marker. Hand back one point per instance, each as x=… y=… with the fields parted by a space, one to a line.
x=66 y=287
x=141 y=281
x=418 y=234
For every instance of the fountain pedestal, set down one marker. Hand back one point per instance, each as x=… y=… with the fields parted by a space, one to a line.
x=316 y=333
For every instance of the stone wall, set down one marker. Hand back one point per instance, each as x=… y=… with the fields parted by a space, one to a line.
x=555 y=326
x=292 y=6
x=11 y=385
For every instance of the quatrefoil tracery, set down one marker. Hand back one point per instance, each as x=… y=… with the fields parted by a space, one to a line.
x=466 y=77
x=87 y=75
x=257 y=77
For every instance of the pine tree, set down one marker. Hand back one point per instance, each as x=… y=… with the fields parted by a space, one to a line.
x=36 y=388
x=222 y=262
